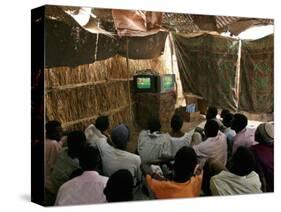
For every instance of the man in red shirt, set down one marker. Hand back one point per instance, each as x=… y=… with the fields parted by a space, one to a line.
x=263 y=151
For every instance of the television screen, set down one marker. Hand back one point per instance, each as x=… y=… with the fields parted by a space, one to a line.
x=167 y=83
x=143 y=82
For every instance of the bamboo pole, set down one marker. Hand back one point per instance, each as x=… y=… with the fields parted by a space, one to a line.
x=64 y=87
x=128 y=79
x=107 y=113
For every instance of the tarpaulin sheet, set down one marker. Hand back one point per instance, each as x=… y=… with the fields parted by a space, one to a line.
x=72 y=45
x=136 y=22
x=147 y=47
x=208 y=68
x=256 y=80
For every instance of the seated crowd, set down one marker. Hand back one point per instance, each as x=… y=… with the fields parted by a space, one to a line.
x=225 y=158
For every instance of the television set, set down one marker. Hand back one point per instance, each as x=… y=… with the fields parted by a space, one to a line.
x=154 y=83
x=145 y=83
x=167 y=83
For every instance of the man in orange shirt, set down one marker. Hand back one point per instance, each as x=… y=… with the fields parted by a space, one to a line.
x=186 y=181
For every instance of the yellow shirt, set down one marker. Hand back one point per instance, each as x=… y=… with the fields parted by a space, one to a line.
x=171 y=189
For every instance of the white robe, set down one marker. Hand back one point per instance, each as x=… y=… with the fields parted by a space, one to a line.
x=84 y=189
x=175 y=143
x=114 y=159
x=151 y=145
x=227 y=183
x=92 y=133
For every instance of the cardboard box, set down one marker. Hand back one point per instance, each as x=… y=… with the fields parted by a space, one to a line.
x=194 y=116
x=189 y=117
x=191 y=99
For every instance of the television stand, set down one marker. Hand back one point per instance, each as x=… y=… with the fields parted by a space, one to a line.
x=155 y=105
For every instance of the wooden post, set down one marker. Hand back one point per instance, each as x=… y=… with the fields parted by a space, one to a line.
x=238 y=73
x=128 y=79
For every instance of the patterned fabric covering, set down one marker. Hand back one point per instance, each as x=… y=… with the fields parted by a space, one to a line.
x=208 y=67
x=256 y=93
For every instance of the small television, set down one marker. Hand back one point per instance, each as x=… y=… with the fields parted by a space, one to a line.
x=147 y=83
x=167 y=83
x=144 y=82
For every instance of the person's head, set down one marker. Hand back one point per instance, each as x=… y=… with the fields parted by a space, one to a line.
x=227 y=120
x=185 y=163
x=176 y=123
x=89 y=158
x=120 y=136
x=224 y=112
x=76 y=141
x=53 y=130
x=239 y=122
x=119 y=186
x=211 y=128
x=154 y=125
x=211 y=113
x=242 y=162
x=102 y=123
x=265 y=133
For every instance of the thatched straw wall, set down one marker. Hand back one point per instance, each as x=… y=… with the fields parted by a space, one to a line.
x=77 y=96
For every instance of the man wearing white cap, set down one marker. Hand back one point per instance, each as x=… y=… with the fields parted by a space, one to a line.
x=264 y=154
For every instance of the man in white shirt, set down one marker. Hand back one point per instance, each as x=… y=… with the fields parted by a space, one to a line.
x=240 y=179
x=213 y=149
x=177 y=138
x=215 y=146
x=97 y=130
x=244 y=136
x=115 y=158
x=151 y=142
x=86 y=188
